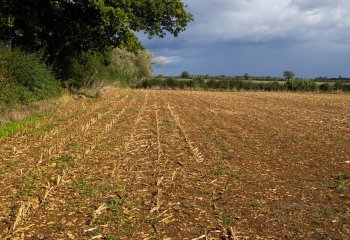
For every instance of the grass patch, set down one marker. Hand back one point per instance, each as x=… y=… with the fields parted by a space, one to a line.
x=64 y=162
x=115 y=204
x=45 y=128
x=237 y=175
x=27 y=186
x=76 y=146
x=112 y=187
x=225 y=218
x=84 y=187
x=220 y=171
x=343 y=177
x=345 y=230
x=150 y=221
x=296 y=229
x=340 y=182
x=10 y=129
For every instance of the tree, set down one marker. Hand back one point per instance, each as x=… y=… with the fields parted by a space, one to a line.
x=288 y=75
x=246 y=76
x=65 y=28
x=185 y=74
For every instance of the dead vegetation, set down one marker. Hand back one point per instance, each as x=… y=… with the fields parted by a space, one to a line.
x=181 y=165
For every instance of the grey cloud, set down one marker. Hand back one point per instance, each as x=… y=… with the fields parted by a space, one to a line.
x=307 y=5
x=264 y=20
x=261 y=37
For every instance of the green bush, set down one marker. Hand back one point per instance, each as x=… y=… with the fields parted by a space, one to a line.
x=24 y=78
x=300 y=85
x=325 y=87
x=211 y=84
x=87 y=69
x=198 y=82
x=151 y=82
x=12 y=95
x=170 y=83
x=186 y=84
x=28 y=71
x=114 y=66
x=346 y=87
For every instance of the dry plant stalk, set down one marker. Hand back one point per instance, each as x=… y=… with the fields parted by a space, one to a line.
x=99 y=211
x=47 y=192
x=23 y=211
x=158 y=203
x=174 y=174
x=158 y=131
x=195 y=151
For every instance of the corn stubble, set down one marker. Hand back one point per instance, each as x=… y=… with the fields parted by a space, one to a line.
x=144 y=165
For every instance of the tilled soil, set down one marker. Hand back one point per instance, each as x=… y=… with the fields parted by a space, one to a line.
x=182 y=165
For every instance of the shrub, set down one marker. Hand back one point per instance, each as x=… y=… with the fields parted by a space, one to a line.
x=87 y=69
x=346 y=87
x=300 y=85
x=115 y=66
x=325 y=87
x=28 y=71
x=131 y=68
x=223 y=84
x=185 y=84
x=151 y=82
x=198 y=82
x=170 y=83
x=12 y=95
x=211 y=84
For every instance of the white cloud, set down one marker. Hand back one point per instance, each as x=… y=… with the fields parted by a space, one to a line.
x=160 y=60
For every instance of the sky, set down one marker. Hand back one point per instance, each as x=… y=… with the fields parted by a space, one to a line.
x=259 y=37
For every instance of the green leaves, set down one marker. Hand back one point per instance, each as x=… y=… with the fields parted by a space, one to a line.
x=64 y=28
x=158 y=17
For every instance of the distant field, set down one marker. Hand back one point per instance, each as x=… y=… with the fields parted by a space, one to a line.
x=144 y=164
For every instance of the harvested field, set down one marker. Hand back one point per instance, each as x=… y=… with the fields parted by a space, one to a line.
x=181 y=165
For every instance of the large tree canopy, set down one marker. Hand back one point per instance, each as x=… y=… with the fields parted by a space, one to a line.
x=64 y=28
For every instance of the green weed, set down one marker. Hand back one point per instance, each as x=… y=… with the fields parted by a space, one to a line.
x=76 y=146
x=345 y=230
x=112 y=187
x=12 y=128
x=256 y=203
x=343 y=177
x=237 y=175
x=225 y=218
x=84 y=187
x=27 y=186
x=220 y=171
x=115 y=205
x=148 y=220
x=64 y=162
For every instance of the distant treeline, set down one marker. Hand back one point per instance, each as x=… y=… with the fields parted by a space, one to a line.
x=262 y=78
x=199 y=83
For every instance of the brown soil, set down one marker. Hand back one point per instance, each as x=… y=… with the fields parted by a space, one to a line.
x=182 y=165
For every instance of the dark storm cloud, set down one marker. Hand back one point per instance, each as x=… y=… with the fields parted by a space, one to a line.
x=260 y=36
